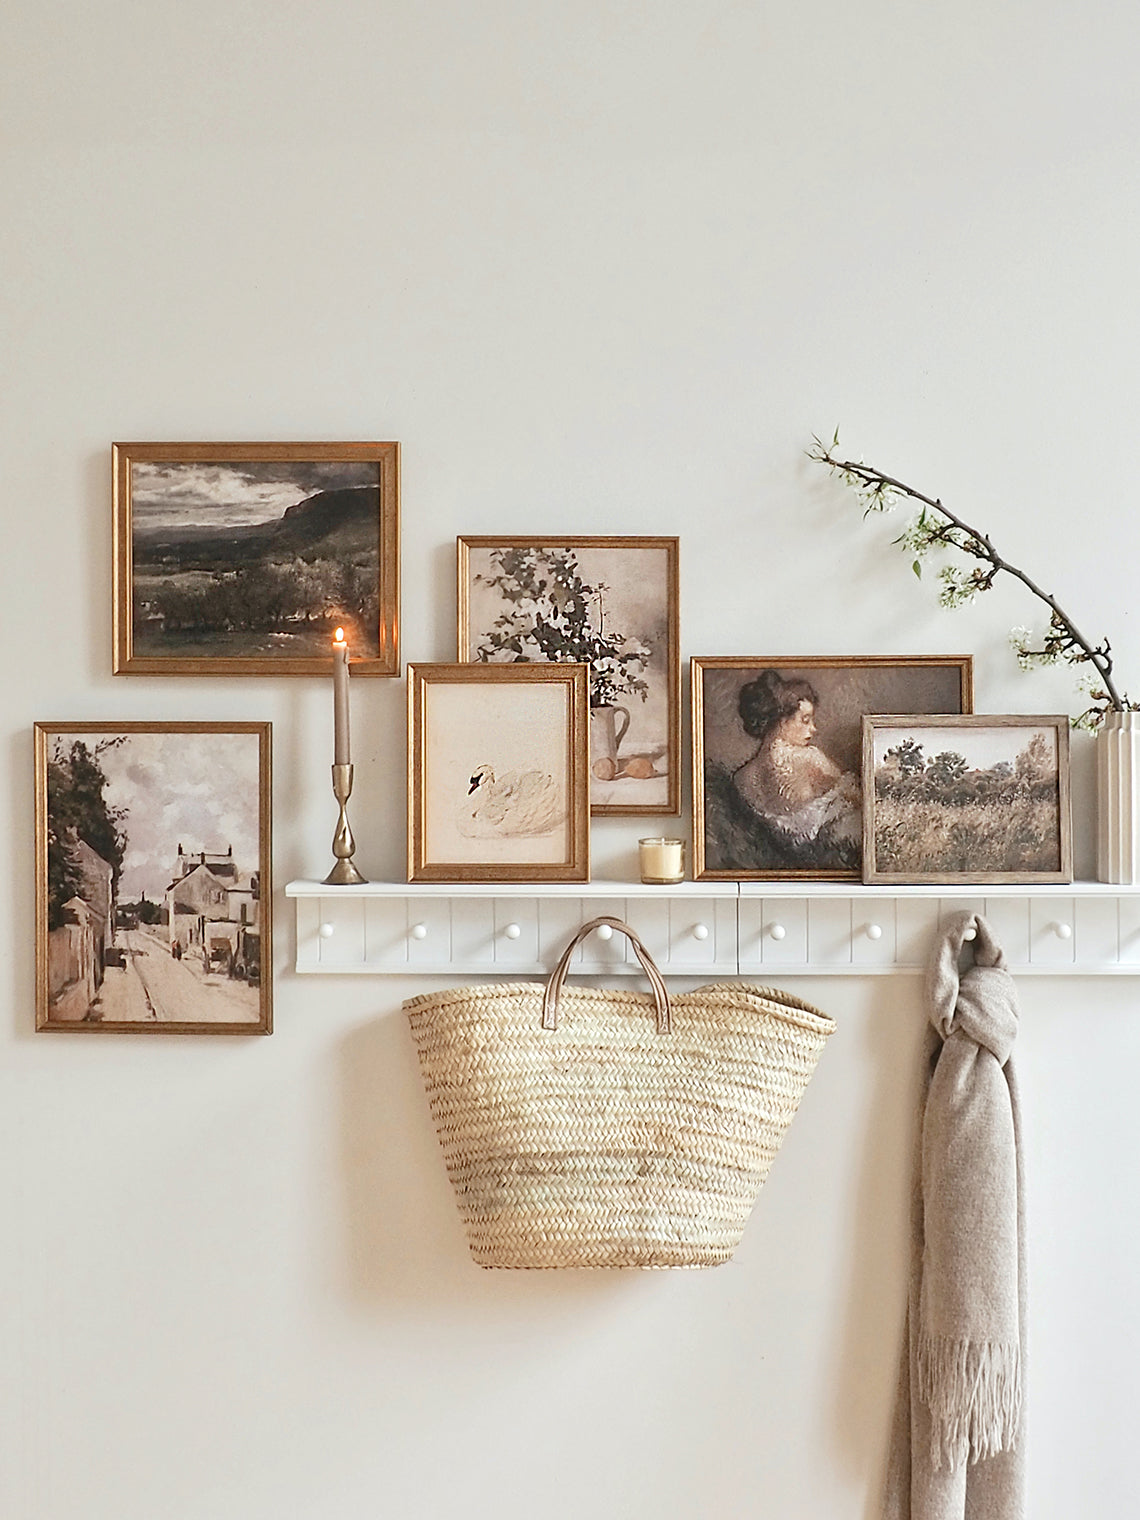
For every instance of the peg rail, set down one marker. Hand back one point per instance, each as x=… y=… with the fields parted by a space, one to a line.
x=704 y=929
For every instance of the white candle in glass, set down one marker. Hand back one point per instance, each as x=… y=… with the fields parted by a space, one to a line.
x=661 y=860
x=340 y=699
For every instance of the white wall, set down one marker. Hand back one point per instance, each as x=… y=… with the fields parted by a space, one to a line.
x=599 y=267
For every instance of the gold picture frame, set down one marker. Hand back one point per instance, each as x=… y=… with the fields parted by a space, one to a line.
x=498 y=773
x=987 y=808
x=635 y=690
x=775 y=806
x=154 y=904
x=241 y=558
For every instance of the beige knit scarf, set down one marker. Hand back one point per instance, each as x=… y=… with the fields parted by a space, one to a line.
x=957 y=1451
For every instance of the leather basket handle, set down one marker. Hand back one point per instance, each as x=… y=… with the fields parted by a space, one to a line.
x=558 y=975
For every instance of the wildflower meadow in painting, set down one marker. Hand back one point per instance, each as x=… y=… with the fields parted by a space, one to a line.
x=977 y=800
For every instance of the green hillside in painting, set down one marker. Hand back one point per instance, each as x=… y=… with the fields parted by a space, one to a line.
x=276 y=587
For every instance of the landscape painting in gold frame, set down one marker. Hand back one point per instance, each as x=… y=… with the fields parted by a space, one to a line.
x=612 y=602
x=153 y=886
x=243 y=558
x=498 y=773
x=777 y=756
x=972 y=799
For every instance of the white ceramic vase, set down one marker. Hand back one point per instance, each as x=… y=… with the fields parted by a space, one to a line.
x=1118 y=799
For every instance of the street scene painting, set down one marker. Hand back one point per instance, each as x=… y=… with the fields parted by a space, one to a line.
x=241 y=559
x=982 y=799
x=610 y=603
x=153 y=904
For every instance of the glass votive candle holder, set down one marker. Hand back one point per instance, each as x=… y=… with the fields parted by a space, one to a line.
x=661 y=861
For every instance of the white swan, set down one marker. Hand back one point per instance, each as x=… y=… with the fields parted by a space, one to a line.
x=517 y=805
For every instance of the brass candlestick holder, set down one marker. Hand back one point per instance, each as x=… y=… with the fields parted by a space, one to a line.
x=344 y=873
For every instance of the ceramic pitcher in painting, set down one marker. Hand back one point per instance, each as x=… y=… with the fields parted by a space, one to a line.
x=605 y=737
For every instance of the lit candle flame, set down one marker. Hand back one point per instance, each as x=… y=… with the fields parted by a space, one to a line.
x=338 y=636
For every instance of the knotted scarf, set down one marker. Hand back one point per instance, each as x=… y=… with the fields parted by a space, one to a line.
x=957 y=1450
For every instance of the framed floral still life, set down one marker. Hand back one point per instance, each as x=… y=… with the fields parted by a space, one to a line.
x=242 y=558
x=498 y=773
x=979 y=799
x=777 y=751
x=153 y=901
x=612 y=604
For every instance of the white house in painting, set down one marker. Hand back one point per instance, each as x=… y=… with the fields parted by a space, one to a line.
x=211 y=908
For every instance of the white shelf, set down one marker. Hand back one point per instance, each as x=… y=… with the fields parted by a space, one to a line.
x=704 y=929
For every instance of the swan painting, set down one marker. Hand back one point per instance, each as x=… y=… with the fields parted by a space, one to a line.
x=498 y=772
x=516 y=805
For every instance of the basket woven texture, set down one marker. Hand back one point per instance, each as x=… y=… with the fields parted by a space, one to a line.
x=579 y=1130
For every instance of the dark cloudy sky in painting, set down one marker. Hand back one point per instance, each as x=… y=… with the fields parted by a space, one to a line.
x=171 y=496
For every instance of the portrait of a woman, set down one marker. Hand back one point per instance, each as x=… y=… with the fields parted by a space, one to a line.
x=789 y=782
x=777 y=789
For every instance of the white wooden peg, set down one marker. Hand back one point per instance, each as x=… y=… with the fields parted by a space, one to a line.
x=419 y=931
x=874 y=931
x=1063 y=931
x=605 y=931
x=326 y=931
x=700 y=931
x=971 y=933
x=777 y=932
x=512 y=931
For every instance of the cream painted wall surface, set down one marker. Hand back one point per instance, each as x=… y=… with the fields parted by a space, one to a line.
x=599 y=268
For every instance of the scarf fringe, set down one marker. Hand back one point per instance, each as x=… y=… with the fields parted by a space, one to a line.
x=973 y=1392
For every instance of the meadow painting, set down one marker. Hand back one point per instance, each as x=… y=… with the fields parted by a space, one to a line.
x=241 y=559
x=982 y=799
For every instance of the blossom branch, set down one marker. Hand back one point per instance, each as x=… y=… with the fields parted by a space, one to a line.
x=937 y=526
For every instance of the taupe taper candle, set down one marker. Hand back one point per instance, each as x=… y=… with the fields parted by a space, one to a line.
x=341 y=754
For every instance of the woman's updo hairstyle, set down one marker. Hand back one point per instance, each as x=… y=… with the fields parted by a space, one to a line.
x=769 y=699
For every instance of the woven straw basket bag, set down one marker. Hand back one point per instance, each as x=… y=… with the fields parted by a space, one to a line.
x=589 y=1128
x=584 y=1127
